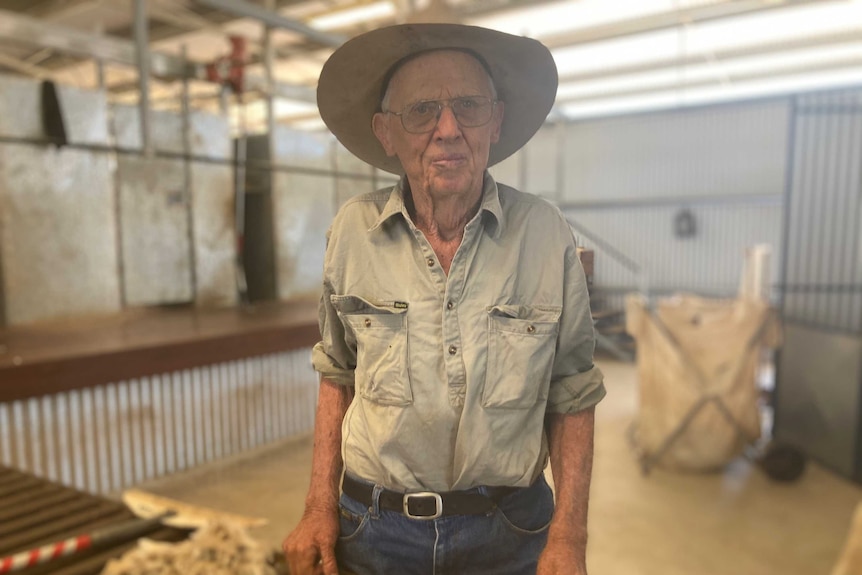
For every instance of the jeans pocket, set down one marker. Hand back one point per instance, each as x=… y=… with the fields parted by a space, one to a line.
x=521 y=345
x=530 y=511
x=352 y=518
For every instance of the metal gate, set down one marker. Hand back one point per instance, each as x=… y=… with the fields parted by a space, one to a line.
x=818 y=403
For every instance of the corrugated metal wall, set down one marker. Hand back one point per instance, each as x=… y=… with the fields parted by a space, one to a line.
x=818 y=396
x=622 y=182
x=722 y=150
x=107 y=438
x=824 y=257
x=708 y=263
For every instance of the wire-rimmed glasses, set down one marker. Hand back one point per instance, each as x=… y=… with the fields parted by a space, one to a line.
x=469 y=111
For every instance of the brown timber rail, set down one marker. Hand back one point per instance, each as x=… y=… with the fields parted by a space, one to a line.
x=49 y=358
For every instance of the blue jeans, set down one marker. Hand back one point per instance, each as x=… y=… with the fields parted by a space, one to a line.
x=505 y=541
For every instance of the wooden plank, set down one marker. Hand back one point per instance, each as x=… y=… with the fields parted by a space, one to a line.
x=49 y=358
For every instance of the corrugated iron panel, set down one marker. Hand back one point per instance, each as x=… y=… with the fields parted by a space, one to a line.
x=719 y=150
x=107 y=438
x=155 y=230
x=824 y=260
x=709 y=263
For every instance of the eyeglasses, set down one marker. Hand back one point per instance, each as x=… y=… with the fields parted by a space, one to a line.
x=470 y=111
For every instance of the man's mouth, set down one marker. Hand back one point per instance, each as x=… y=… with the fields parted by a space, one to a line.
x=449 y=160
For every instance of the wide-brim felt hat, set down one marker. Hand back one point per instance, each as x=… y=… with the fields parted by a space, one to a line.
x=352 y=82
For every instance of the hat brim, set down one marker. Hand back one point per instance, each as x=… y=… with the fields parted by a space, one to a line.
x=351 y=83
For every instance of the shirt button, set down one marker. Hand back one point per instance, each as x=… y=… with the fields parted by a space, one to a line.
x=450 y=305
x=430 y=262
x=530 y=329
x=453 y=350
x=367 y=322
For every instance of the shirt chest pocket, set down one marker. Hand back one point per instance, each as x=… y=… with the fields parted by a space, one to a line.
x=381 y=349
x=521 y=346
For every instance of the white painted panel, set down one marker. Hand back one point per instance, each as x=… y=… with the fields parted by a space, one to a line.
x=304 y=208
x=347 y=163
x=510 y=170
x=214 y=234
x=350 y=170
x=719 y=150
x=58 y=247
x=166 y=129
x=541 y=162
x=209 y=135
x=155 y=237
x=20 y=114
x=85 y=112
x=303 y=149
x=347 y=187
x=385 y=179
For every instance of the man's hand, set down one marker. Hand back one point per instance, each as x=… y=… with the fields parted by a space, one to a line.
x=310 y=548
x=561 y=558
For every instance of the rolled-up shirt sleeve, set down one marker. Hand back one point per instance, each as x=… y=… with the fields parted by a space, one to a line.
x=576 y=383
x=334 y=356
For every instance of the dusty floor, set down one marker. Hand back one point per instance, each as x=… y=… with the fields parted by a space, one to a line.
x=736 y=523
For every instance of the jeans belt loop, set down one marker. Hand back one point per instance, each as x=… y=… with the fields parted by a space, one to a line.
x=375 y=501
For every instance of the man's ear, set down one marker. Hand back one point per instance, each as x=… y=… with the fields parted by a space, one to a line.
x=497 y=122
x=381 y=129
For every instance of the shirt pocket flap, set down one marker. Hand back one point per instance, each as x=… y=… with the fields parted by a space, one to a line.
x=360 y=313
x=537 y=320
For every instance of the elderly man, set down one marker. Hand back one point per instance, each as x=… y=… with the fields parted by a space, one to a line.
x=457 y=341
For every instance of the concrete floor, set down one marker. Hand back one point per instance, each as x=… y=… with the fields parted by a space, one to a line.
x=738 y=522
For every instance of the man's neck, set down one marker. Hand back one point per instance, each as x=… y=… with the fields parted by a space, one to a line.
x=445 y=217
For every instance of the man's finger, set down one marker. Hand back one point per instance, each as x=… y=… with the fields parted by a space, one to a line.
x=303 y=562
x=330 y=566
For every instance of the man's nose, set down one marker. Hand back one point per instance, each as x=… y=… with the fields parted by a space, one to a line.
x=447 y=123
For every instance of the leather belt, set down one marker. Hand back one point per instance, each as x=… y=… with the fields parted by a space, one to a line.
x=428 y=504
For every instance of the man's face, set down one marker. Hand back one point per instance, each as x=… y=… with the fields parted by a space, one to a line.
x=450 y=159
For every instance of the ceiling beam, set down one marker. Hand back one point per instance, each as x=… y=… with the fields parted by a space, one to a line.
x=24 y=67
x=273 y=19
x=667 y=20
x=34 y=31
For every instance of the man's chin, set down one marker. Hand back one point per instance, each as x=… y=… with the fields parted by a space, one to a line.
x=452 y=181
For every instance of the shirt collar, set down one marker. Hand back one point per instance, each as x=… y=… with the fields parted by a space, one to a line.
x=490 y=204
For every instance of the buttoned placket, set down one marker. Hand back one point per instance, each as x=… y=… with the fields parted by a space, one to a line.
x=451 y=288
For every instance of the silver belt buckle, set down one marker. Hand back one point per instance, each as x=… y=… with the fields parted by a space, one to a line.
x=437 y=500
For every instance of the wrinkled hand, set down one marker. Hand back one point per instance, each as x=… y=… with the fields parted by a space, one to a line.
x=310 y=548
x=561 y=558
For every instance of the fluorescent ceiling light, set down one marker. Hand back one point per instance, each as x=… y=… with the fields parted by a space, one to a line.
x=355 y=15
x=726 y=72
x=549 y=19
x=700 y=96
